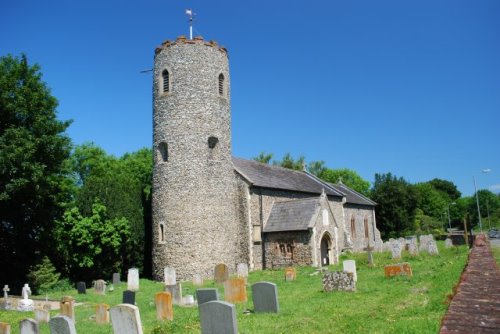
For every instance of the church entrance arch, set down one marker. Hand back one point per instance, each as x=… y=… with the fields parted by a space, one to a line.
x=326 y=249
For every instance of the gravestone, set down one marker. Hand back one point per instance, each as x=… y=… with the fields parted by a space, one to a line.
x=6 y=305
x=350 y=267
x=413 y=247
x=265 y=297
x=164 y=306
x=424 y=242
x=26 y=304
x=29 y=326
x=399 y=269
x=197 y=280
x=218 y=317
x=133 y=279
x=242 y=271
x=235 y=290
x=338 y=281
x=221 y=273
x=67 y=306
x=81 y=287
x=102 y=314
x=169 y=276
x=290 y=274
x=62 y=324
x=42 y=315
x=176 y=292
x=4 y=328
x=100 y=287
x=188 y=300
x=206 y=295
x=448 y=243
x=116 y=278
x=128 y=297
x=432 y=248
x=396 y=250
x=126 y=319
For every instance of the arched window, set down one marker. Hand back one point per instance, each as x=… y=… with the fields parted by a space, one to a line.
x=221 y=84
x=165 y=75
x=353 y=227
x=367 y=234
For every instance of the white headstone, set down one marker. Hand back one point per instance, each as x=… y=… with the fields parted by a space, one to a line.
x=413 y=247
x=432 y=248
x=396 y=250
x=62 y=324
x=26 y=304
x=448 y=243
x=242 y=270
x=29 y=326
x=133 y=279
x=100 y=287
x=126 y=319
x=170 y=277
x=350 y=267
x=42 y=315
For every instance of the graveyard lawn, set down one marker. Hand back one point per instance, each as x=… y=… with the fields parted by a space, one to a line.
x=380 y=305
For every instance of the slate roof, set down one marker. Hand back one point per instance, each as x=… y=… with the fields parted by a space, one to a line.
x=352 y=196
x=274 y=177
x=294 y=215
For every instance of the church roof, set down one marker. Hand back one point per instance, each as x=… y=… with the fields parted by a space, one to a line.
x=275 y=177
x=294 y=215
x=352 y=196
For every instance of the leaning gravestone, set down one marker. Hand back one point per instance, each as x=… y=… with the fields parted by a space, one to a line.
x=432 y=248
x=128 y=297
x=81 y=287
x=42 y=315
x=29 y=326
x=164 y=306
x=169 y=276
x=61 y=324
x=133 y=279
x=176 y=292
x=67 y=306
x=126 y=319
x=206 y=295
x=100 y=287
x=116 y=278
x=396 y=250
x=350 y=267
x=338 y=281
x=448 y=243
x=235 y=290
x=221 y=273
x=218 y=317
x=4 y=328
x=102 y=314
x=265 y=297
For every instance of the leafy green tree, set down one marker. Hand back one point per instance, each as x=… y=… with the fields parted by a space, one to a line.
x=446 y=187
x=432 y=202
x=424 y=224
x=289 y=162
x=263 y=157
x=33 y=182
x=488 y=203
x=348 y=177
x=316 y=167
x=397 y=202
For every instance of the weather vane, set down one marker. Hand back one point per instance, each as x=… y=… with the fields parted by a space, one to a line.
x=189 y=12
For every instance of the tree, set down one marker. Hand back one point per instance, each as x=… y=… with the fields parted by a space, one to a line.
x=289 y=162
x=446 y=187
x=316 y=167
x=263 y=157
x=396 y=207
x=348 y=177
x=33 y=182
x=432 y=202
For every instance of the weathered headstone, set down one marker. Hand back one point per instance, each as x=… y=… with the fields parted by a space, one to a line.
x=81 y=287
x=206 y=295
x=398 y=270
x=242 y=270
x=62 y=324
x=197 y=280
x=116 y=278
x=432 y=248
x=176 y=292
x=396 y=250
x=102 y=314
x=338 y=281
x=169 y=276
x=128 y=297
x=290 y=274
x=448 y=243
x=350 y=267
x=188 y=300
x=67 y=306
x=133 y=279
x=42 y=315
x=413 y=247
x=100 y=287
x=235 y=290
x=164 y=306
x=26 y=304
x=29 y=326
x=4 y=328
x=126 y=319
x=424 y=242
x=265 y=297
x=221 y=273
x=218 y=317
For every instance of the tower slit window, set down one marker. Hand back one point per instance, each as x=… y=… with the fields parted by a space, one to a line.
x=161 y=236
x=165 y=81
x=353 y=227
x=163 y=150
x=221 y=84
x=366 y=228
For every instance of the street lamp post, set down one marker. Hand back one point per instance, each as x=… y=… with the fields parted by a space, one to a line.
x=477 y=202
x=448 y=208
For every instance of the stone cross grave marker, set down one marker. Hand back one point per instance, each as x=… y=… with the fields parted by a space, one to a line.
x=29 y=326
x=265 y=297
x=6 y=302
x=242 y=271
x=128 y=297
x=5 y=290
x=4 y=328
x=235 y=290
x=133 y=279
x=218 y=317
x=164 y=306
x=116 y=278
x=81 y=287
x=126 y=319
x=176 y=292
x=398 y=270
x=290 y=274
x=169 y=276
x=42 y=315
x=26 y=304
x=350 y=267
x=432 y=247
x=100 y=287
x=67 y=306
x=197 y=280
x=448 y=243
x=369 y=251
x=221 y=273
x=102 y=314
x=61 y=324
x=206 y=295
x=338 y=281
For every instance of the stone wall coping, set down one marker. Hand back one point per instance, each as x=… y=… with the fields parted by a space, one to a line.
x=196 y=40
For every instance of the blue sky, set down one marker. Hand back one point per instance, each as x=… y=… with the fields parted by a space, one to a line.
x=407 y=87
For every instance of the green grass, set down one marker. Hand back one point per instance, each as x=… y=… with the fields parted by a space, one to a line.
x=380 y=305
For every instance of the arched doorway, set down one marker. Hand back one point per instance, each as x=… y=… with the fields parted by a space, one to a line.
x=326 y=247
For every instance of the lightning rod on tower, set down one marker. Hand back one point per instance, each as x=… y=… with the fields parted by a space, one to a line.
x=189 y=12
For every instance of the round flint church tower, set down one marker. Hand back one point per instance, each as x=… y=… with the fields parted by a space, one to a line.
x=194 y=212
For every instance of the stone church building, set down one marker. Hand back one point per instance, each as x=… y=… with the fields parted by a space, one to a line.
x=210 y=207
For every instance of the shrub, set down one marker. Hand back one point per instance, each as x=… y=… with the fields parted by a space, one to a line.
x=43 y=276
